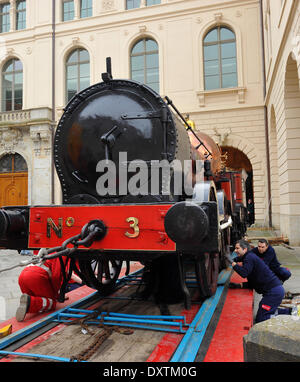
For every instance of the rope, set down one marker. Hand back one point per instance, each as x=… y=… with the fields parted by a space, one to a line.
x=23 y=263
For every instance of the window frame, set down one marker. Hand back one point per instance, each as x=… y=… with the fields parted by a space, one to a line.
x=13 y=159
x=2 y=16
x=134 y=1
x=90 y=7
x=219 y=42
x=144 y=54
x=150 y=5
x=3 y=88
x=67 y=13
x=19 y=13
x=78 y=63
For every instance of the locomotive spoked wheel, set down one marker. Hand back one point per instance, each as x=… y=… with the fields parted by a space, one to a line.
x=101 y=274
x=207 y=271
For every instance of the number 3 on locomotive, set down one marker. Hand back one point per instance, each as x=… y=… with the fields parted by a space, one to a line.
x=135 y=226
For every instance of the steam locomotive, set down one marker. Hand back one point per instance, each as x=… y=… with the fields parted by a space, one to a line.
x=118 y=202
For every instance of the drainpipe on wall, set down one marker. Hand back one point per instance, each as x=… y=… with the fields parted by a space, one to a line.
x=266 y=116
x=53 y=98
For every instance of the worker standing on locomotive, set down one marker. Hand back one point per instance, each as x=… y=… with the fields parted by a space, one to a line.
x=40 y=285
x=190 y=122
x=261 y=278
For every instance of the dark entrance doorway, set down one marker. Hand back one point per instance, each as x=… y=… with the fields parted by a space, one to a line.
x=234 y=159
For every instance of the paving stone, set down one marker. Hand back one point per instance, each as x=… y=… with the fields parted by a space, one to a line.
x=274 y=340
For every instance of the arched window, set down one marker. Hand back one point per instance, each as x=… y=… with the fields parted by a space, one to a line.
x=12 y=85
x=77 y=72
x=12 y=163
x=144 y=63
x=220 y=67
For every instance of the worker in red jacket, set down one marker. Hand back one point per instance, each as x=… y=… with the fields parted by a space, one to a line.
x=40 y=285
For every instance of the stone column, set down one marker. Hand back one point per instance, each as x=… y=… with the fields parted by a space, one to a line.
x=41 y=179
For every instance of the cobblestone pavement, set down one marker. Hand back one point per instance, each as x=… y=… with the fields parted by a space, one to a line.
x=9 y=288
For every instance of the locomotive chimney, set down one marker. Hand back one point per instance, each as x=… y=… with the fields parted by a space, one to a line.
x=107 y=76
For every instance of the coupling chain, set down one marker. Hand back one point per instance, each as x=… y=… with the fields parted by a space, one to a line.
x=86 y=237
x=106 y=332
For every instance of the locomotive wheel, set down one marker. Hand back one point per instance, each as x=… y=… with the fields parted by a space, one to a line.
x=207 y=271
x=101 y=274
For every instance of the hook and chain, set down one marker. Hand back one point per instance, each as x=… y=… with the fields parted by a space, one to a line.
x=91 y=231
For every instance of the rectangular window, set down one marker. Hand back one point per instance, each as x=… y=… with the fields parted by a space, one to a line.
x=4 y=17
x=68 y=10
x=21 y=15
x=130 y=4
x=152 y=2
x=86 y=8
x=220 y=63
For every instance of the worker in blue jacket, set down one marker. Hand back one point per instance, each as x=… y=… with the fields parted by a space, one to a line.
x=261 y=278
x=268 y=254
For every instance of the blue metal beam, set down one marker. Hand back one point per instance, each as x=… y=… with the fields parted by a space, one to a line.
x=151 y=322
x=189 y=346
x=41 y=356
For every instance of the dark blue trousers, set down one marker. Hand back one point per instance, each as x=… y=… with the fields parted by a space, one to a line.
x=269 y=303
x=283 y=274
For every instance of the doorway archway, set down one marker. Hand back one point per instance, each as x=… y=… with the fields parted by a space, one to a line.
x=235 y=160
x=13 y=180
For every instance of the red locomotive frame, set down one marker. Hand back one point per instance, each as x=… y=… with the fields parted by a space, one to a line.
x=130 y=227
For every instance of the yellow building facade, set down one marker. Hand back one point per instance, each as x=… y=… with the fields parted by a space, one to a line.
x=209 y=57
x=282 y=62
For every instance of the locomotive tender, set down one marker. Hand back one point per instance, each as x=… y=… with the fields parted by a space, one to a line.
x=123 y=122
